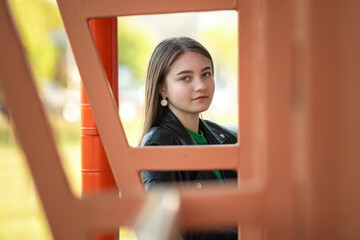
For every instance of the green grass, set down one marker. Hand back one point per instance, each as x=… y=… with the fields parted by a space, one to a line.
x=21 y=214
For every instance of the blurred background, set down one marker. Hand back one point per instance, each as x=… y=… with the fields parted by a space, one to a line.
x=50 y=58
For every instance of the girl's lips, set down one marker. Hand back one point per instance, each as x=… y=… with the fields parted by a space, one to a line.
x=200 y=97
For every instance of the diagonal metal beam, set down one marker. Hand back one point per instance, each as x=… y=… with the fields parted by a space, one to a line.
x=100 y=96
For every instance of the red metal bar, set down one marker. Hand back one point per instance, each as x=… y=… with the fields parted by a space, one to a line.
x=95 y=169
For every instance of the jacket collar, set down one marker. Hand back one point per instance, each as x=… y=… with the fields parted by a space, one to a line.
x=209 y=134
x=172 y=123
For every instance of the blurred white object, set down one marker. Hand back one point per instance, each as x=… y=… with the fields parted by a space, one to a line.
x=157 y=218
x=71 y=112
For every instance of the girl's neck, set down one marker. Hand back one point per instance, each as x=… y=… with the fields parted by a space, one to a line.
x=190 y=121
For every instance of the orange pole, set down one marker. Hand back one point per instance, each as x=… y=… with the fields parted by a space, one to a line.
x=95 y=169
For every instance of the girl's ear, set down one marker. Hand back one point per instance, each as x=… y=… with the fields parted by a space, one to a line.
x=162 y=90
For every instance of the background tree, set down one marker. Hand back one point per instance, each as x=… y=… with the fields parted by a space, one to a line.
x=37 y=21
x=134 y=49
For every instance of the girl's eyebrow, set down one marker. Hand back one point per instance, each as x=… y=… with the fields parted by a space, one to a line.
x=184 y=72
x=190 y=71
x=206 y=68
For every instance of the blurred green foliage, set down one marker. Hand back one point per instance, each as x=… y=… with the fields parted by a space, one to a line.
x=226 y=56
x=37 y=22
x=133 y=46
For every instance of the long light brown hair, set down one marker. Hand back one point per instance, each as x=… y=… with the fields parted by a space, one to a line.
x=159 y=66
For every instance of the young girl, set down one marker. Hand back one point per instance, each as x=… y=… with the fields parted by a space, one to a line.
x=179 y=86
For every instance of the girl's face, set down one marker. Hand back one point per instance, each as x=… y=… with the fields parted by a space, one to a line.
x=189 y=85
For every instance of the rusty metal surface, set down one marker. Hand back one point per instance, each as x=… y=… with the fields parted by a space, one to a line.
x=298 y=152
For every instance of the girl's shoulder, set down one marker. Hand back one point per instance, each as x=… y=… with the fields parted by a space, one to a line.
x=159 y=135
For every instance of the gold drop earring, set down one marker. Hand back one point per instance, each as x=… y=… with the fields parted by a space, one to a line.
x=164 y=102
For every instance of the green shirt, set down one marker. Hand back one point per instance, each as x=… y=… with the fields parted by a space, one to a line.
x=200 y=139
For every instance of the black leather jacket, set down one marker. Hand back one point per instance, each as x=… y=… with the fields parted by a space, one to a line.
x=170 y=131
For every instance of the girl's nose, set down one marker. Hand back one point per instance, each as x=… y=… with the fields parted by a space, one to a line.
x=199 y=84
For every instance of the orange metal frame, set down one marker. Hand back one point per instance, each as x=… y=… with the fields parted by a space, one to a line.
x=298 y=152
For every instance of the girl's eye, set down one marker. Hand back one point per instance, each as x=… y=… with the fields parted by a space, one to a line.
x=186 y=78
x=206 y=74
